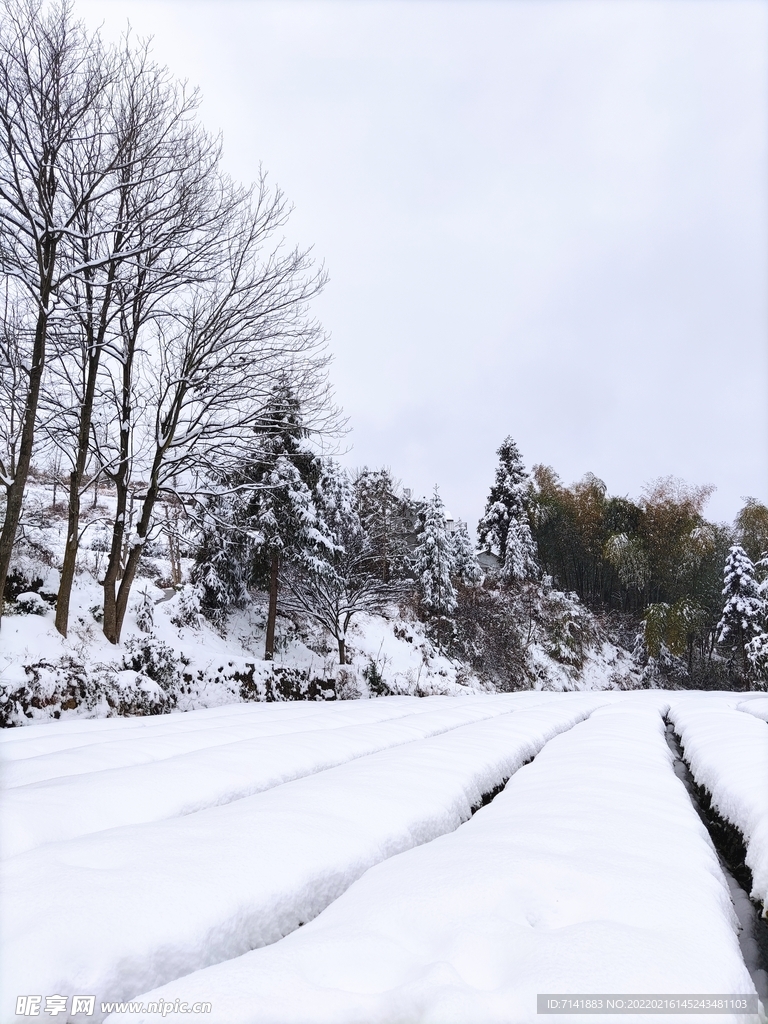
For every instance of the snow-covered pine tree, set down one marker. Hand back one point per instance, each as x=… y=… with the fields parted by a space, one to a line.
x=225 y=548
x=433 y=561
x=757 y=657
x=756 y=649
x=263 y=514
x=465 y=566
x=504 y=528
x=743 y=614
x=286 y=519
x=386 y=518
x=282 y=510
x=188 y=607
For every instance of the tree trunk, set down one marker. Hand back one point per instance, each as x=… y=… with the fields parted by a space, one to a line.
x=274 y=574
x=112 y=575
x=116 y=604
x=15 y=492
x=120 y=479
x=95 y=341
x=342 y=650
x=75 y=483
x=70 y=556
x=124 y=590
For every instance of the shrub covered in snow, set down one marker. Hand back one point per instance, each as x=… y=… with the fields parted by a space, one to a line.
x=153 y=658
x=374 y=676
x=271 y=682
x=31 y=603
x=347 y=684
x=188 y=608
x=66 y=685
x=568 y=630
x=145 y=613
x=31 y=572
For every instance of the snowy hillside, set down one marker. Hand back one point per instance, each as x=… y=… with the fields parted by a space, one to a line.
x=182 y=661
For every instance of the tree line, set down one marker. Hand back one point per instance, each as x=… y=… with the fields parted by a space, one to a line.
x=658 y=558
x=696 y=589
x=325 y=543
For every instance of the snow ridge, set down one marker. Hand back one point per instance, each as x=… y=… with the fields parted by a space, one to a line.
x=727 y=751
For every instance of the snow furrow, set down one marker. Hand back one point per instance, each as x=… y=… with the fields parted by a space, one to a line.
x=590 y=873
x=33 y=741
x=727 y=752
x=43 y=751
x=77 y=805
x=136 y=749
x=119 y=912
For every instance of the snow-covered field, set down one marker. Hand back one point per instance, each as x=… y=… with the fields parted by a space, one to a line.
x=322 y=862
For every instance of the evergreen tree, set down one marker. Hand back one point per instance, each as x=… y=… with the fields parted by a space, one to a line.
x=283 y=513
x=263 y=515
x=757 y=657
x=757 y=648
x=387 y=518
x=465 y=566
x=504 y=528
x=433 y=562
x=520 y=558
x=225 y=548
x=743 y=614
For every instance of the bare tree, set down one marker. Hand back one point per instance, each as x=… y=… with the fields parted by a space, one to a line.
x=15 y=355
x=343 y=577
x=190 y=383
x=138 y=242
x=149 y=309
x=53 y=83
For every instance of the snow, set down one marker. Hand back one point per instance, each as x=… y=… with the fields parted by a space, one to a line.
x=119 y=911
x=45 y=737
x=216 y=770
x=590 y=873
x=164 y=736
x=757 y=706
x=727 y=752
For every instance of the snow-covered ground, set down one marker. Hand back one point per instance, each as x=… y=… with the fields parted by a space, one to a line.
x=187 y=851
x=590 y=873
x=727 y=751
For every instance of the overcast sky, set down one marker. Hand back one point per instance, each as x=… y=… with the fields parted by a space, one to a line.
x=543 y=218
